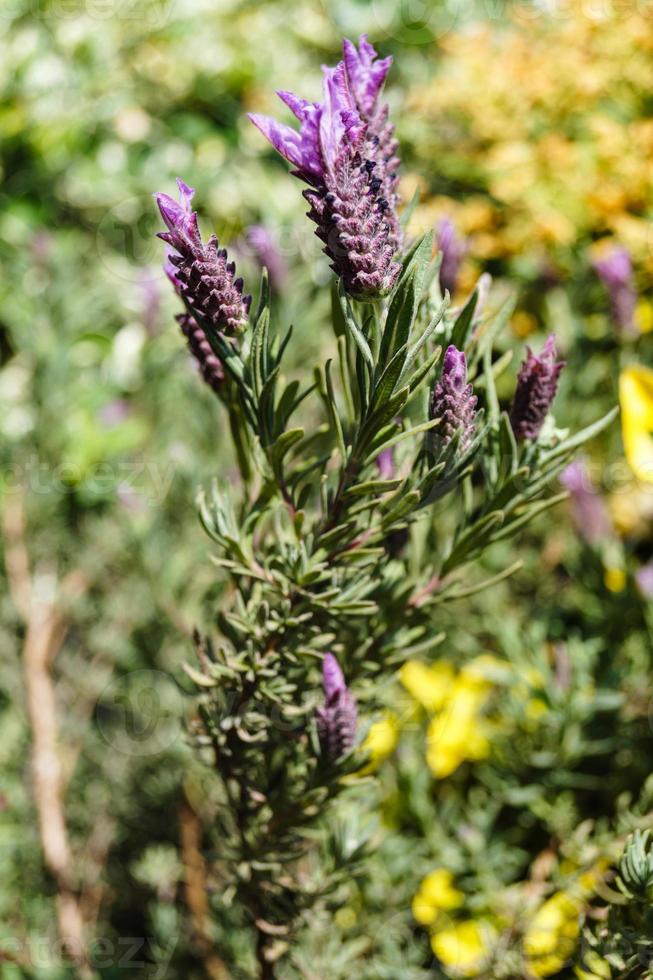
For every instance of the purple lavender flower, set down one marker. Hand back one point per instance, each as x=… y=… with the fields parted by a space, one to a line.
x=644 y=579
x=365 y=78
x=453 y=402
x=268 y=255
x=344 y=151
x=537 y=384
x=453 y=250
x=385 y=464
x=199 y=271
x=336 y=718
x=616 y=272
x=588 y=510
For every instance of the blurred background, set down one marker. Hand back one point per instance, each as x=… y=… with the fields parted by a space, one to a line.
x=528 y=131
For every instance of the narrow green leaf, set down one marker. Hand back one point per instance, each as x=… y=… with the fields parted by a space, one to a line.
x=353 y=328
x=284 y=444
x=372 y=487
x=464 y=323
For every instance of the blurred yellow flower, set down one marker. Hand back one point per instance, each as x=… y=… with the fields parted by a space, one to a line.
x=636 y=400
x=557 y=144
x=428 y=685
x=614 y=579
x=463 y=948
x=455 y=734
x=436 y=893
x=644 y=316
x=551 y=937
x=380 y=742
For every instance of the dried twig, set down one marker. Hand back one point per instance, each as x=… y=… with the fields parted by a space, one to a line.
x=196 y=891
x=41 y=605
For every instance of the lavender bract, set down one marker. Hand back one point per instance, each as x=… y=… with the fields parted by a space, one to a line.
x=201 y=272
x=336 y=719
x=537 y=384
x=616 y=272
x=453 y=402
x=345 y=151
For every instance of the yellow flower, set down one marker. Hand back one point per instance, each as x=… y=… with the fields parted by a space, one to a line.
x=552 y=934
x=614 y=579
x=463 y=948
x=636 y=399
x=429 y=686
x=380 y=742
x=436 y=894
x=455 y=734
x=644 y=316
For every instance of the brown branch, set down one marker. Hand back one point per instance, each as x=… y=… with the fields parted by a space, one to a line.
x=196 y=891
x=41 y=608
x=16 y=558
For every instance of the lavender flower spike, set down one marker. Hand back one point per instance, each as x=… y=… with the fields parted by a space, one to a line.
x=200 y=272
x=537 y=384
x=351 y=189
x=336 y=719
x=365 y=78
x=453 y=402
x=616 y=272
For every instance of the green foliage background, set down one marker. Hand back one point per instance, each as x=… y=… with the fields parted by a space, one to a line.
x=106 y=434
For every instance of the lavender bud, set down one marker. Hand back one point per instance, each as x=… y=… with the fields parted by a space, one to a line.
x=336 y=718
x=201 y=272
x=453 y=251
x=453 y=402
x=588 y=510
x=616 y=272
x=537 y=384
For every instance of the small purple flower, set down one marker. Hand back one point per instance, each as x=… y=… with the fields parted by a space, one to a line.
x=336 y=719
x=200 y=272
x=644 y=579
x=114 y=412
x=344 y=151
x=588 y=510
x=453 y=402
x=453 y=250
x=268 y=255
x=616 y=273
x=537 y=384
x=385 y=464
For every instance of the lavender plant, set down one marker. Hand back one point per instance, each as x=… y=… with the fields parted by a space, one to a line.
x=333 y=557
